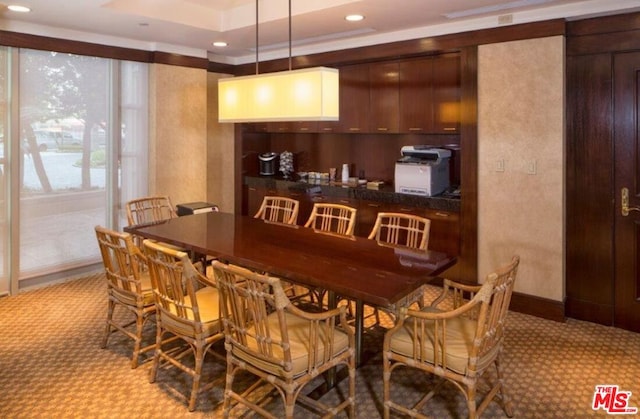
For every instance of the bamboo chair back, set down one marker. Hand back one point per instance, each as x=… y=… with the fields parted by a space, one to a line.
x=401 y=230
x=174 y=282
x=128 y=286
x=333 y=218
x=149 y=209
x=279 y=209
x=124 y=265
x=187 y=308
x=458 y=343
x=284 y=346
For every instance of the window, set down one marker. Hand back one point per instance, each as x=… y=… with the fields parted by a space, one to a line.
x=82 y=152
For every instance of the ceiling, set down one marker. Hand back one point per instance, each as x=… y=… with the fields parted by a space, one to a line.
x=191 y=26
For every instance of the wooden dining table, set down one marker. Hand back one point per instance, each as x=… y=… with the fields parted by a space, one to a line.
x=352 y=267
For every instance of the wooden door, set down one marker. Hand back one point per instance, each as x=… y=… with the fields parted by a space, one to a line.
x=627 y=178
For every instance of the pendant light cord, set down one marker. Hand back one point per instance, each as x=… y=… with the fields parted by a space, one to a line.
x=289 y=35
x=257 y=72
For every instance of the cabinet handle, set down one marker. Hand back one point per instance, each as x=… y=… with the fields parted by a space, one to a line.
x=405 y=209
x=354 y=129
x=442 y=214
x=449 y=128
x=374 y=205
x=383 y=129
x=304 y=129
x=327 y=129
x=252 y=189
x=344 y=201
x=415 y=129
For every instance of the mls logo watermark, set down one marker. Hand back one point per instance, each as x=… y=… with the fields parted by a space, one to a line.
x=613 y=400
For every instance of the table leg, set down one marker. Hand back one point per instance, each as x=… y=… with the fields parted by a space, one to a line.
x=359 y=324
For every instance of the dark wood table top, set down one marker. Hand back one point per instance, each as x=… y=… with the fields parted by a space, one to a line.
x=356 y=268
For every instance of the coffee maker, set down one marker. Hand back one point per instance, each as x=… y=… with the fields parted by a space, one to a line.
x=268 y=163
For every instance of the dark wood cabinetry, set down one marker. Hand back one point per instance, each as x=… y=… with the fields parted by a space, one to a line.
x=354 y=99
x=446 y=94
x=384 y=97
x=403 y=96
x=429 y=94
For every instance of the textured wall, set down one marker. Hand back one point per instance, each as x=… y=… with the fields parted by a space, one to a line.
x=521 y=130
x=178 y=133
x=220 y=156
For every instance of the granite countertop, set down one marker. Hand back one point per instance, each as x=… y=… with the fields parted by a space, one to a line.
x=385 y=194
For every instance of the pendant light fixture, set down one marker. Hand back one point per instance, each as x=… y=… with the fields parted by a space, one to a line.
x=308 y=94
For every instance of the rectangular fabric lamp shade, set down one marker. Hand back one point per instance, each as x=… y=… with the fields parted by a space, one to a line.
x=310 y=94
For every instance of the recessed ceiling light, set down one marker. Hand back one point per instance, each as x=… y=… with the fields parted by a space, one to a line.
x=354 y=18
x=16 y=8
x=220 y=44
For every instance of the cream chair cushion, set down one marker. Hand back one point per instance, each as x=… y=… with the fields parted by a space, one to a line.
x=459 y=340
x=298 y=330
x=209 y=307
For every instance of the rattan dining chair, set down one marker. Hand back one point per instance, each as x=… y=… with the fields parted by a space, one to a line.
x=283 y=210
x=128 y=286
x=279 y=209
x=401 y=230
x=455 y=339
x=336 y=219
x=187 y=305
x=149 y=209
x=269 y=337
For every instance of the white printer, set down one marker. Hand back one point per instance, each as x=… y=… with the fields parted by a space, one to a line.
x=422 y=170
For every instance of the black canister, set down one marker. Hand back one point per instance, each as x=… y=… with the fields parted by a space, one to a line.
x=268 y=163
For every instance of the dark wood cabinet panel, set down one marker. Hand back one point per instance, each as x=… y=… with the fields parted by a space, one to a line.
x=354 y=99
x=384 y=101
x=406 y=96
x=446 y=94
x=416 y=95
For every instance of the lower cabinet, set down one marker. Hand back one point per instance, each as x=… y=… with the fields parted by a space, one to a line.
x=444 y=233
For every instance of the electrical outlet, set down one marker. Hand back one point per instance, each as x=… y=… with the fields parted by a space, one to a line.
x=500 y=165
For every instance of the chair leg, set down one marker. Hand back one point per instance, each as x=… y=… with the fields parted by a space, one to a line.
x=471 y=401
x=138 y=341
x=351 y=413
x=226 y=405
x=156 y=355
x=386 y=378
x=289 y=404
x=506 y=399
x=107 y=333
x=199 y=358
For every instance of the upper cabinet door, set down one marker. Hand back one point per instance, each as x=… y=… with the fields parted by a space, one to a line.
x=384 y=113
x=354 y=98
x=430 y=95
x=416 y=95
x=446 y=94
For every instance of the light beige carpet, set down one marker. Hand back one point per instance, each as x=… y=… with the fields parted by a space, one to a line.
x=51 y=366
